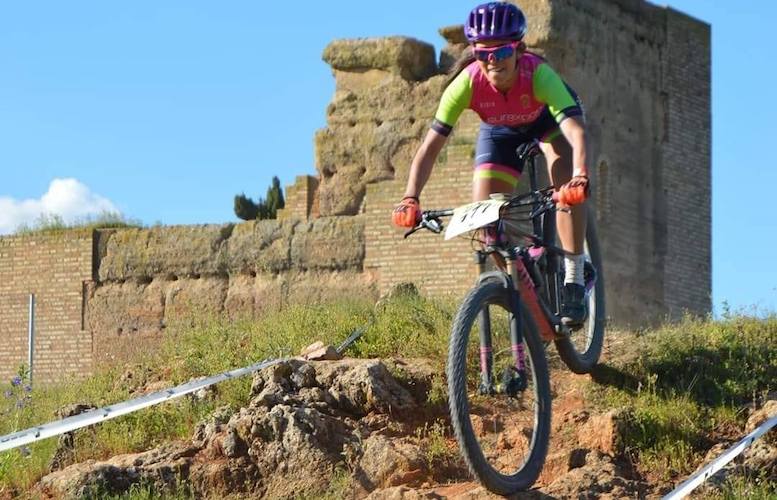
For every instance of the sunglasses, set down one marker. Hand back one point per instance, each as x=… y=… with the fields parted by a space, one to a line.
x=494 y=54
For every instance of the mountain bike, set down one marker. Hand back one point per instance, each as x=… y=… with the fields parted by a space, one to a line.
x=498 y=379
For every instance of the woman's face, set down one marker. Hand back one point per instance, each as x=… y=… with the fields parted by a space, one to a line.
x=500 y=70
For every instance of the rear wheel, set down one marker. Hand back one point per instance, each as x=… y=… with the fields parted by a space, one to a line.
x=501 y=420
x=581 y=350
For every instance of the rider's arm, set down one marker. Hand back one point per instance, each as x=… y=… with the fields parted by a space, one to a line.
x=454 y=101
x=565 y=108
x=423 y=162
x=574 y=133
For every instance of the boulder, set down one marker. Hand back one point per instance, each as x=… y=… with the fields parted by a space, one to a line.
x=161 y=468
x=408 y=58
x=303 y=419
x=387 y=462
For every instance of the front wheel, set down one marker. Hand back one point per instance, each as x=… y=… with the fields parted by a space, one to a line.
x=499 y=389
x=581 y=350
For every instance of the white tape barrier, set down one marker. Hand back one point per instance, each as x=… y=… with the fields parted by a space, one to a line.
x=710 y=469
x=92 y=417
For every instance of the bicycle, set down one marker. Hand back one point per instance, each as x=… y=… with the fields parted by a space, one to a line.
x=514 y=312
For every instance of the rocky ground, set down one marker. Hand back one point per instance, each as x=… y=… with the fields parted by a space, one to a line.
x=358 y=428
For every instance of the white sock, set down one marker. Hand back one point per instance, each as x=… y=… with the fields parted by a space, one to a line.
x=574 y=266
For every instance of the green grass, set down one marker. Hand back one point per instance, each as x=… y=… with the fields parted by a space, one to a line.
x=687 y=386
x=52 y=223
x=741 y=486
x=406 y=326
x=140 y=491
x=684 y=386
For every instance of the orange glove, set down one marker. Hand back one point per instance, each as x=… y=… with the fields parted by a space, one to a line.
x=407 y=213
x=574 y=192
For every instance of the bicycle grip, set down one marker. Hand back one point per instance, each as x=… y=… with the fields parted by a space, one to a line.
x=570 y=195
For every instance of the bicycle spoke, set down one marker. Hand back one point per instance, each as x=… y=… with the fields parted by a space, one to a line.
x=504 y=424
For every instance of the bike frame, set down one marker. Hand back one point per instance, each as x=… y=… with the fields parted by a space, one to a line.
x=519 y=260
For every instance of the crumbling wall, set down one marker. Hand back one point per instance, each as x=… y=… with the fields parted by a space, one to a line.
x=102 y=295
x=380 y=109
x=151 y=277
x=643 y=73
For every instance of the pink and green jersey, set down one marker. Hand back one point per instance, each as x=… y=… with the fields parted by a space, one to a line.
x=537 y=88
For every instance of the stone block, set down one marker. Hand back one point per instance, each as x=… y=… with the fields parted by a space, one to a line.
x=411 y=59
x=165 y=252
x=331 y=243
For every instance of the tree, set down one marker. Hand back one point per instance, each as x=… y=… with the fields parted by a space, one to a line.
x=246 y=209
x=275 y=199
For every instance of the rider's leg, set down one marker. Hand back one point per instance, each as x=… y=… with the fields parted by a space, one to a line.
x=571 y=228
x=496 y=166
x=490 y=179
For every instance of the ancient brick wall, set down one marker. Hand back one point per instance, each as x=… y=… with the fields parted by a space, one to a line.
x=301 y=199
x=148 y=278
x=57 y=269
x=104 y=295
x=643 y=73
x=687 y=177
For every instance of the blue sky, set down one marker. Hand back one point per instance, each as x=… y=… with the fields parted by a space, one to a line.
x=165 y=110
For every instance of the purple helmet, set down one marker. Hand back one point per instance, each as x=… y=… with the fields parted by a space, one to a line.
x=495 y=20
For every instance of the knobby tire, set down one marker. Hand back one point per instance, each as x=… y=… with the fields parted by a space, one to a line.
x=493 y=291
x=583 y=362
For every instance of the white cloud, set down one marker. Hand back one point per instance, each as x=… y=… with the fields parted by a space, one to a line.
x=66 y=198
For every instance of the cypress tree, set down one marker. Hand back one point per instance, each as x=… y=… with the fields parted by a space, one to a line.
x=265 y=208
x=245 y=208
x=275 y=199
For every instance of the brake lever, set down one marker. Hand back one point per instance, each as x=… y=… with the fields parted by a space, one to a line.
x=412 y=231
x=431 y=224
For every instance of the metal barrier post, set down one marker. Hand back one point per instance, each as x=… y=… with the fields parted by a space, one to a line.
x=31 y=336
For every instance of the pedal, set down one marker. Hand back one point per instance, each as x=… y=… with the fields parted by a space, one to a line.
x=486 y=388
x=513 y=381
x=563 y=331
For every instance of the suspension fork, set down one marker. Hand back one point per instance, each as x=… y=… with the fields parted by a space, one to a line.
x=487 y=385
x=516 y=336
x=486 y=347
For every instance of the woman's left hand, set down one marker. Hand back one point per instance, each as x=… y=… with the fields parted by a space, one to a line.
x=579 y=180
x=575 y=191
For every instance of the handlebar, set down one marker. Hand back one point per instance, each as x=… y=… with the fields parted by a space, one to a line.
x=541 y=201
x=430 y=219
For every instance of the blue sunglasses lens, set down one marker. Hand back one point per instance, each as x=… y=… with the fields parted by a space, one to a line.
x=499 y=53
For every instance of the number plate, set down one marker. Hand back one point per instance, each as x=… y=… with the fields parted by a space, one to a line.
x=472 y=216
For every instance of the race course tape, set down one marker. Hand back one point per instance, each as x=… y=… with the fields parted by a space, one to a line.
x=92 y=417
x=705 y=473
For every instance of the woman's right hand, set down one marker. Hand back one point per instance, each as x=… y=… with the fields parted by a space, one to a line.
x=407 y=213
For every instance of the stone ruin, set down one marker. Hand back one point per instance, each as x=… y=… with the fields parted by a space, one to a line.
x=643 y=74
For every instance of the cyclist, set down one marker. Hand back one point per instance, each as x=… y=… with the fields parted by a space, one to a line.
x=519 y=98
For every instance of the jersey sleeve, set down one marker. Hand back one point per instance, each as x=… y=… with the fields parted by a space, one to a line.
x=550 y=89
x=454 y=101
